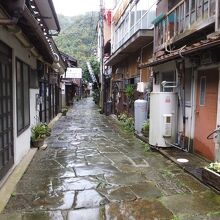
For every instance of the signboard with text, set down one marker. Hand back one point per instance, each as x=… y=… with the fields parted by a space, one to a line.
x=73 y=73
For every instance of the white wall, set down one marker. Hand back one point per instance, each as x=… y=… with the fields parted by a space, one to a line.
x=34 y=109
x=21 y=142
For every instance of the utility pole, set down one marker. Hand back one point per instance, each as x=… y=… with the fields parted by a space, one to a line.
x=102 y=56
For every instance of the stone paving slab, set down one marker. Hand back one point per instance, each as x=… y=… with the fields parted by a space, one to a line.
x=93 y=169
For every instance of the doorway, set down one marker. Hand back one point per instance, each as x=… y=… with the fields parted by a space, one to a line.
x=206 y=112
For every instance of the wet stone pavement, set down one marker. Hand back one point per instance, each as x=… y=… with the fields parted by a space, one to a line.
x=93 y=170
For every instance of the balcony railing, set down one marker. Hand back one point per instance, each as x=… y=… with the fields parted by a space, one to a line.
x=187 y=15
x=129 y=29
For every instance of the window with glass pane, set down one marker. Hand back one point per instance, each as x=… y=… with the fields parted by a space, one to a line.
x=205 y=8
x=23 y=109
x=193 y=12
x=202 y=90
x=138 y=12
x=199 y=9
x=212 y=7
x=170 y=78
x=19 y=97
x=186 y=13
x=132 y=16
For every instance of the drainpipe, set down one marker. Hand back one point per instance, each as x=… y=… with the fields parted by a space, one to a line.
x=184 y=101
x=192 y=109
x=182 y=98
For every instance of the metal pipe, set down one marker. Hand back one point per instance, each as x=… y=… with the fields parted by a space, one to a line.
x=191 y=111
x=184 y=99
x=176 y=146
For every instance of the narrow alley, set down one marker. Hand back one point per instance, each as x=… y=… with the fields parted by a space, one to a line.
x=94 y=170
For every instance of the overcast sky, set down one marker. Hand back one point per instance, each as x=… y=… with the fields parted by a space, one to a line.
x=76 y=7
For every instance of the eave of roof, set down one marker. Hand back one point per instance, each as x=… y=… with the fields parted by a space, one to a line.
x=48 y=13
x=31 y=28
x=202 y=45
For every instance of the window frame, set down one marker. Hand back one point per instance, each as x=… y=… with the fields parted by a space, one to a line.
x=23 y=103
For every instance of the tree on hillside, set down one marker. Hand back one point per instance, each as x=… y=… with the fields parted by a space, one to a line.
x=78 y=36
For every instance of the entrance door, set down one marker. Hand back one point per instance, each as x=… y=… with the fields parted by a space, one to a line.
x=206 y=112
x=6 y=111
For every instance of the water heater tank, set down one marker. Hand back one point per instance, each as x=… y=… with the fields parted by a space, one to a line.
x=163 y=118
x=140 y=114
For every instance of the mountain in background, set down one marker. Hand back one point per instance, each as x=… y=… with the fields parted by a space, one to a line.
x=78 y=36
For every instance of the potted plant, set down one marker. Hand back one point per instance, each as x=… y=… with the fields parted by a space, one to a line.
x=145 y=129
x=64 y=111
x=211 y=175
x=38 y=133
x=129 y=91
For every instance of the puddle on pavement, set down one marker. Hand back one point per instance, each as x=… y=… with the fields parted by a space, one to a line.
x=87 y=214
x=118 y=194
x=100 y=172
x=54 y=201
x=125 y=178
x=89 y=199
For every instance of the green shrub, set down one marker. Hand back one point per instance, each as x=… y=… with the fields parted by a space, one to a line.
x=96 y=96
x=129 y=124
x=129 y=91
x=40 y=131
x=64 y=111
x=145 y=128
x=215 y=167
x=122 y=117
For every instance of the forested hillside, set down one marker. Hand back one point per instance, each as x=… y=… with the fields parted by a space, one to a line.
x=78 y=36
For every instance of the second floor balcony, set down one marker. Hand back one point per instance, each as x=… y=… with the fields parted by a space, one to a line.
x=137 y=17
x=183 y=20
x=133 y=30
